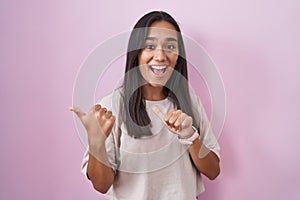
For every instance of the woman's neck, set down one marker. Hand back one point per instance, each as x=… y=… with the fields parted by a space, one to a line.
x=153 y=93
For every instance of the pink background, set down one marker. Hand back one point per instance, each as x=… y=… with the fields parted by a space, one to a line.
x=255 y=44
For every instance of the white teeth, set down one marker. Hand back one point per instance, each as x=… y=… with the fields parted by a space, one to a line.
x=158 y=67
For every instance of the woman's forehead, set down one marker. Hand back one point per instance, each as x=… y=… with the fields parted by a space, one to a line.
x=155 y=33
x=162 y=29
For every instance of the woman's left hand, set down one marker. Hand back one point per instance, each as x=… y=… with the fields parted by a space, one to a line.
x=177 y=121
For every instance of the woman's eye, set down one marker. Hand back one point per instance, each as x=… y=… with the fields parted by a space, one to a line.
x=149 y=46
x=171 y=47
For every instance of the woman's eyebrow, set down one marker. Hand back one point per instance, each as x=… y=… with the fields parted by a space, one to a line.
x=169 y=39
x=151 y=38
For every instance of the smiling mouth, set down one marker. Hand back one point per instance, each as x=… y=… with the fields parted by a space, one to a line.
x=158 y=70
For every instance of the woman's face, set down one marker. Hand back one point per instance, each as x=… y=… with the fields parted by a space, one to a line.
x=160 y=53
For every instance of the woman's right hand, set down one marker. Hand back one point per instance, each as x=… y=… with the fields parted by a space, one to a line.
x=98 y=123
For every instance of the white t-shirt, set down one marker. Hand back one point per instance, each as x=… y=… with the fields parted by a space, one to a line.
x=153 y=167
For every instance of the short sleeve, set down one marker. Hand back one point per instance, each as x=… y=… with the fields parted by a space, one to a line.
x=84 y=162
x=111 y=155
x=206 y=134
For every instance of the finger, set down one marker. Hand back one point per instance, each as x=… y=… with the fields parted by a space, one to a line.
x=97 y=107
x=187 y=121
x=176 y=115
x=169 y=114
x=183 y=120
x=94 y=108
x=157 y=111
x=102 y=111
x=108 y=114
x=112 y=119
x=77 y=111
x=178 y=122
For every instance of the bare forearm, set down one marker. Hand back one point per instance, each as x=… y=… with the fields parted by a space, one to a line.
x=205 y=160
x=98 y=123
x=99 y=170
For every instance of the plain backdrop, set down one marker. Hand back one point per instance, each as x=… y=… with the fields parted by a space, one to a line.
x=254 y=43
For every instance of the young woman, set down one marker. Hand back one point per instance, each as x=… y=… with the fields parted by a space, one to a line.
x=150 y=138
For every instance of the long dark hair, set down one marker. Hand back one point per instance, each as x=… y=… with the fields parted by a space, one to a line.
x=136 y=117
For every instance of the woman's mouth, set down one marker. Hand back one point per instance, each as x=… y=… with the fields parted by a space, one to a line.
x=158 y=70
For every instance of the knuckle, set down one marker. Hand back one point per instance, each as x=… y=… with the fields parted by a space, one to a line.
x=103 y=110
x=170 y=112
x=109 y=112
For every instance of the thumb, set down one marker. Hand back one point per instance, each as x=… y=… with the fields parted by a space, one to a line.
x=77 y=111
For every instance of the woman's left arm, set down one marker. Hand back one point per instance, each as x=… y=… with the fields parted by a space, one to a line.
x=205 y=160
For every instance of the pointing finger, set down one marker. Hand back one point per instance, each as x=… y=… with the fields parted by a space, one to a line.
x=157 y=111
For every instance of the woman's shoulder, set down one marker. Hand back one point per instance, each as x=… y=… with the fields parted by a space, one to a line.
x=195 y=100
x=196 y=104
x=112 y=100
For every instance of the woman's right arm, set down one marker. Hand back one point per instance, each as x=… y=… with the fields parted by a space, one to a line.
x=101 y=175
x=98 y=123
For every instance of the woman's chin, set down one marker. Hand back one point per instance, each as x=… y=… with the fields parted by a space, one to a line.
x=157 y=84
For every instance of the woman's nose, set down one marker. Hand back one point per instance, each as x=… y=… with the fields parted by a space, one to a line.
x=159 y=54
